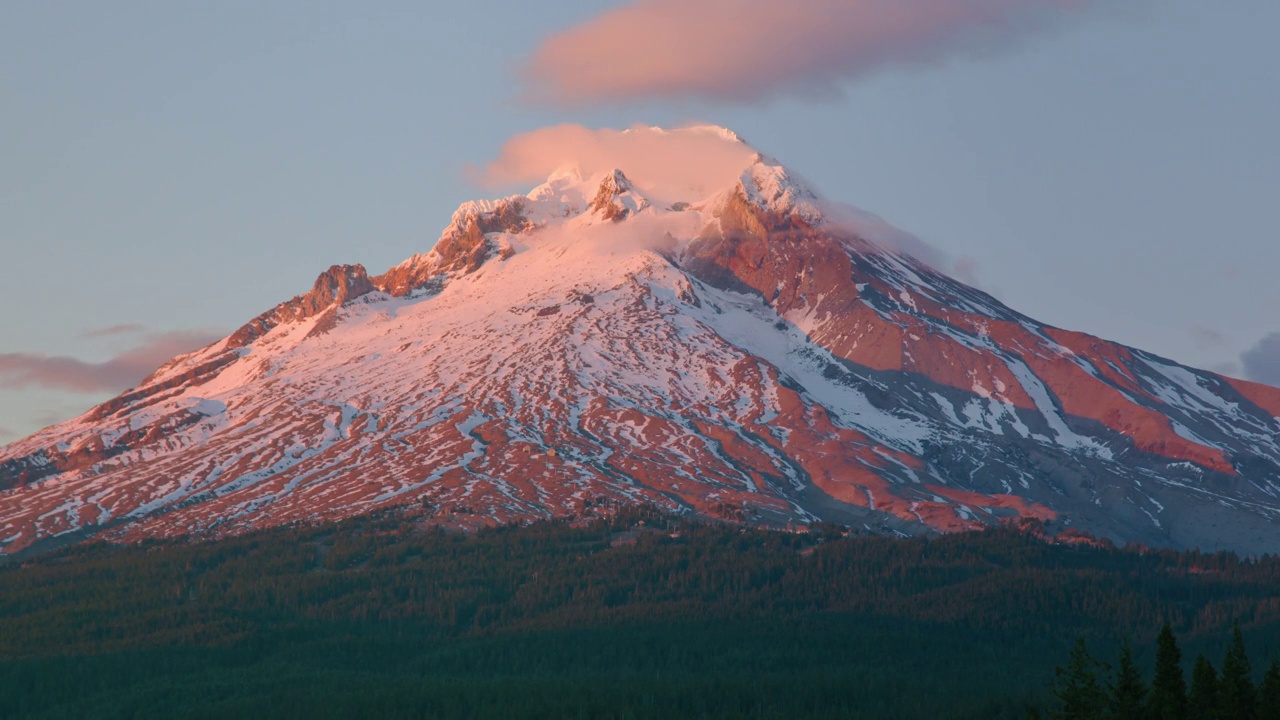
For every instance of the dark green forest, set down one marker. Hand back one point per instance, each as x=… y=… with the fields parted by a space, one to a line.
x=1086 y=688
x=638 y=616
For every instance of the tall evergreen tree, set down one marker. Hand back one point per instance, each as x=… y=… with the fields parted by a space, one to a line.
x=1077 y=687
x=1128 y=691
x=1269 y=694
x=1169 y=687
x=1238 y=699
x=1202 y=703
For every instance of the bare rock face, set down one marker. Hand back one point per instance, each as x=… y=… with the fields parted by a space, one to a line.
x=417 y=272
x=607 y=203
x=464 y=246
x=465 y=250
x=335 y=286
x=462 y=249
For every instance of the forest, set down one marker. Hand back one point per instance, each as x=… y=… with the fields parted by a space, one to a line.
x=1082 y=694
x=636 y=615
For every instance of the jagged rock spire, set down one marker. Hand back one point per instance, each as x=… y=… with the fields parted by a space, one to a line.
x=610 y=203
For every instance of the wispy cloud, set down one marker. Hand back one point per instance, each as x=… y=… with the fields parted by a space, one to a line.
x=60 y=372
x=749 y=51
x=1229 y=368
x=1213 y=341
x=1261 y=362
x=7 y=434
x=1207 y=338
x=116 y=330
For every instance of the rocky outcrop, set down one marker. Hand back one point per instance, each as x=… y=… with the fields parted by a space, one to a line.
x=153 y=391
x=463 y=247
x=608 y=203
x=90 y=454
x=336 y=286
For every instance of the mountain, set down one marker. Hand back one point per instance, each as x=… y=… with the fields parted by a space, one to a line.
x=752 y=353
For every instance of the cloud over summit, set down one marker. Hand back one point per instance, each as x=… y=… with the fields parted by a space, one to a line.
x=750 y=51
x=677 y=164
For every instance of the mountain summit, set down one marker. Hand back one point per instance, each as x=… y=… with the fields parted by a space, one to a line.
x=738 y=352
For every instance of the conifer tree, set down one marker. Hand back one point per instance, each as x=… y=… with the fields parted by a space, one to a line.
x=1128 y=691
x=1077 y=687
x=1269 y=694
x=1202 y=703
x=1169 y=688
x=1236 y=693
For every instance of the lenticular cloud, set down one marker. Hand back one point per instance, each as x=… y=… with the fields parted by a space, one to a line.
x=753 y=50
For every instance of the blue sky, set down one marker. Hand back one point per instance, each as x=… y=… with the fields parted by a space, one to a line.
x=180 y=166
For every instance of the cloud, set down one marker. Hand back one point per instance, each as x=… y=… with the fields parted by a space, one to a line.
x=1230 y=368
x=753 y=50
x=683 y=164
x=666 y=165
x=1212 y=340
x=873 y=228
x=1207 y=338
x=21 y=370
x=115 y=330
x=965 y=269
x=1261 y=362
x=7 y=434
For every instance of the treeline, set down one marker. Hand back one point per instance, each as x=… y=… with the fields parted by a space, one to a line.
x=638 y=616
x=1125 y=695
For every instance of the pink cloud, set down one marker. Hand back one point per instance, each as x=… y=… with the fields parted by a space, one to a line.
x=683 y=164
x=668 y=165
x=19 y=370
x=752 y=50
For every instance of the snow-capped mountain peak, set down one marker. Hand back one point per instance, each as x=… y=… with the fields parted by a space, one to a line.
x=630 y=334
x=773 y=189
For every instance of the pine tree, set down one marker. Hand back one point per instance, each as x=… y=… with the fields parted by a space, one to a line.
x=1169 y=688
x=1128 y=691
x=1202 y=704
x=1269 y=694
x=1236 y=694
x=1077 y=687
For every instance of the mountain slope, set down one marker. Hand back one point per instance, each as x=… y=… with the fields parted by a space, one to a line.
x=751 y=355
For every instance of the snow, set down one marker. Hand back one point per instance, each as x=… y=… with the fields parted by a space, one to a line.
x=1189 y=393
x=1064 y=435
x=769 y=186
x=748 y=324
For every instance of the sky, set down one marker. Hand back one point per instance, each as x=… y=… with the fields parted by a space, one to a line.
x=171 y=169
